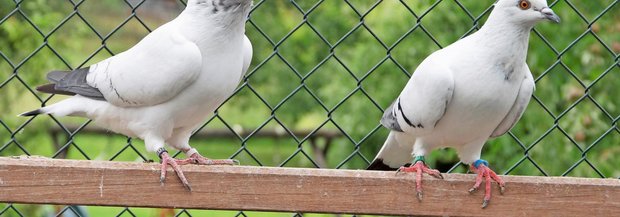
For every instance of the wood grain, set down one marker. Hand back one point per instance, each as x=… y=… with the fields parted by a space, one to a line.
x=47 y=181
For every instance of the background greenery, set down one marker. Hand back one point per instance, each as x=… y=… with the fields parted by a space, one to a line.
x=329 y=66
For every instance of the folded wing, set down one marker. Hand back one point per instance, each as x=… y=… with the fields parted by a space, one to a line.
x=422 y=103
x=152 y=72
x=517 y=109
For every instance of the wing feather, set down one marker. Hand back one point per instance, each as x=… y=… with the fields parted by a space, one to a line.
x=152 y=72
x=425 y=98
x=247 y=56
x=518 y=108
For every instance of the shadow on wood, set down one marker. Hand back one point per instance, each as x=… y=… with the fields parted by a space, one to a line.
x=49 y=181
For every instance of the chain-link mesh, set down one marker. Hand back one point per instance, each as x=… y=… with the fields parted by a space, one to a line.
x=322 y=73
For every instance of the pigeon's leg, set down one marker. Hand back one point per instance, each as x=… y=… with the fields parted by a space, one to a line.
x=481 y=167
x=167 y=160
x=180 y=140
x=154 y=143
x=196 y=158
x=420 y=167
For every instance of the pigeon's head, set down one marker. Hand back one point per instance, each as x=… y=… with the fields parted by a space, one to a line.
x=222 y=11
x=527 y=11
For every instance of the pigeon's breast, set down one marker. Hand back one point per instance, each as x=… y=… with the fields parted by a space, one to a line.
x=218 y=81
x=480 y=102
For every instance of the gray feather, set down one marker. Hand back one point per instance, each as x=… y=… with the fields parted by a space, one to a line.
x=389 y=119
x=56 y=76
x=50 y=88
x=74 y=82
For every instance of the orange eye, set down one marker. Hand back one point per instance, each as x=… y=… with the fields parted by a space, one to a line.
x=524 y=4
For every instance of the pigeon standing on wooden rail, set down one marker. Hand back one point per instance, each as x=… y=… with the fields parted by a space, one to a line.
x=164 y=87
x=464 y=94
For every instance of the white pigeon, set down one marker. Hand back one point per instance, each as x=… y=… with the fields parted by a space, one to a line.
x=462 y=95
x=164 y=87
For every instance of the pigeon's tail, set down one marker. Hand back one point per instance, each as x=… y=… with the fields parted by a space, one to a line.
x=32 y=113
x=42 y=111
x=73 y=106
x=70 y=83
x=54 y=77
x=392 y=155
x=378 y=164
x=51 y=89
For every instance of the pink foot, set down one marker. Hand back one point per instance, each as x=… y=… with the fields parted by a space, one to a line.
x=419 y=167
x=167 y=160
x=483 y=171
x=196 y=158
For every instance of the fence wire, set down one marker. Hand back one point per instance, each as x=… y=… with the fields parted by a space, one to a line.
x=574 y=112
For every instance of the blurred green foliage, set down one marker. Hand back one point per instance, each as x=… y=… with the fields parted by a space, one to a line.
x=324 y=69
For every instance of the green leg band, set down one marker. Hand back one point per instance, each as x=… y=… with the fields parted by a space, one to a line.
x=418 y=158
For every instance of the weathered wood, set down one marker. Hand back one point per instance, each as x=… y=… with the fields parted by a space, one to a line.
x=47 y=181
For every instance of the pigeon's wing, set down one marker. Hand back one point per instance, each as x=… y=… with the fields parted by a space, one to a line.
x=155 y=70
x=389 y=120
x=421 y=104
x=423 y=101
x=517 y=109
x=247 y=55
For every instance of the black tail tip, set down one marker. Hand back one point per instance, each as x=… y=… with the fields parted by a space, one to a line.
x=378 y=164
x=31 y=113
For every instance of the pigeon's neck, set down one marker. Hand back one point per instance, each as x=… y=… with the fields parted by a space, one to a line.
x=209 y=32
x=502 y=35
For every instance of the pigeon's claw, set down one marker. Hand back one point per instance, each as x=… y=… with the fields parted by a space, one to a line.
x=485 y=172
x=196 y=158
x=434 y=173
x=167 y=160
x=419 y=168
x=472 y=190
x=485 y=203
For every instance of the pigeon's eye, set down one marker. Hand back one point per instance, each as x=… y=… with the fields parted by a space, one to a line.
x=524 y=4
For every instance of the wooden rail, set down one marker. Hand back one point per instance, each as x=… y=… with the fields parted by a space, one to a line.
x=48 y=181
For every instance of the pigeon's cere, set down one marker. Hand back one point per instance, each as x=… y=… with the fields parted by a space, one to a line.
x=464 y=94
x=164 y=87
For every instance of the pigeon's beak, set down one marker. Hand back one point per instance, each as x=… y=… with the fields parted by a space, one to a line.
x=550 y=15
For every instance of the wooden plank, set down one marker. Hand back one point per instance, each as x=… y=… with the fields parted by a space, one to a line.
x=47 y=181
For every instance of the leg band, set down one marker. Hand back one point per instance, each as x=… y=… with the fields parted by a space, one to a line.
x=191 y=152
x=161 y=151
x=418 y=158
x=480 y=161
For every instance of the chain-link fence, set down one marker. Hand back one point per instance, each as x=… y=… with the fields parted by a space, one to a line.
x=322 y=73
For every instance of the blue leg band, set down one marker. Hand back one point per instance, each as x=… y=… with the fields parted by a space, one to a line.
x=480 y=161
